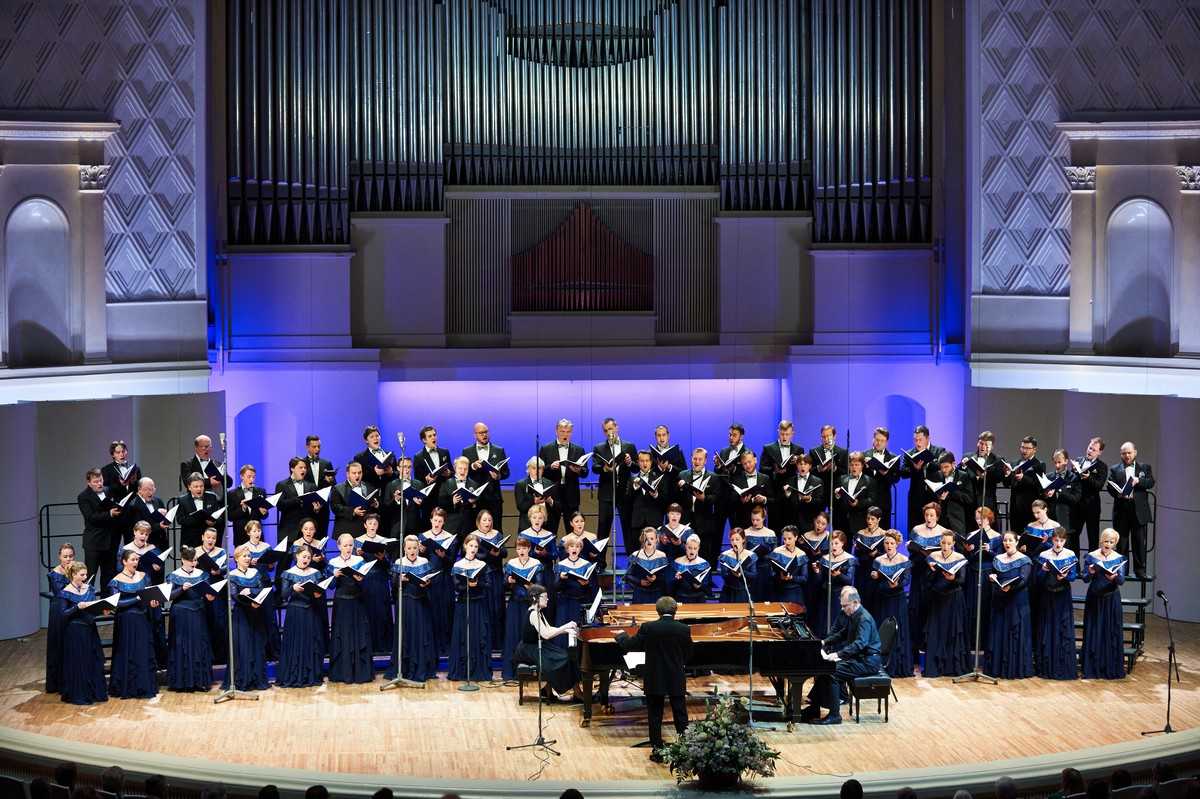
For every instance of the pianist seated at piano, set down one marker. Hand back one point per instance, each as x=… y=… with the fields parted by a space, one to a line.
x=648 y=575
x=789 y=567
x=692 y=574
x=853 y=646
x=738 y=568
x=559 y=672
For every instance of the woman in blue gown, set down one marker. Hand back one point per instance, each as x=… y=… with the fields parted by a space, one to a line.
x=759 y=541
x=734 y=564
x=892 y=573
x=1010 y=638
x=815 y=544
x=946 y=617
x=149 y=561
x=56 y=580
x=1056 y=568
x=1042 y=527
x=575 y=582
x=544 y=549
x=648 y=573
x=924 y=539
x=837 y=568
x=789 y=567
x=438 y=545
x=82 y=680
x=420 y=660
x=216 y=612
x=471 y=638
x=302 y=650
x=1102 y=618
x=975 y=594
x=249 y=625
x=491 y=551
x=867 y=546
x=673 y=535
x=260 y=560
x=189 y=652
x=519 y=573
x=134 y=670
x=377 y=587
x=691 y=580
x=350 y=632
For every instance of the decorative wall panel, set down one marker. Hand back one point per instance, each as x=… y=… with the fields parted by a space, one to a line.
x=1040 y=64
x=134 y=62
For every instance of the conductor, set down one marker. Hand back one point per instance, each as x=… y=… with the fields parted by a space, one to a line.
x=667 y=644
x=853 y=646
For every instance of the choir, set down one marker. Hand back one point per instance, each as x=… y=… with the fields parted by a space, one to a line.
x=444 y=574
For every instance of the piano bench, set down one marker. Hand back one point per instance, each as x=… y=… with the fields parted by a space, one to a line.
x=525 y=674
x=877 y=687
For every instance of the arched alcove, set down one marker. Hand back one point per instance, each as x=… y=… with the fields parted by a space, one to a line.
x=1139 y=271
x=37 y=245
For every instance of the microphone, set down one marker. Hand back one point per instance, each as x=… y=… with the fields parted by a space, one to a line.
x=400 y=438
x=221 y=438
x=1161 y=596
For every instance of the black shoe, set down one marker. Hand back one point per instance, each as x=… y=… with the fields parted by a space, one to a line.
x=828 y=720
x=810 y=713
x=656 y=757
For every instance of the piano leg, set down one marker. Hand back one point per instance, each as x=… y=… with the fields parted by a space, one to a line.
x=585 y=682
x=605 y=682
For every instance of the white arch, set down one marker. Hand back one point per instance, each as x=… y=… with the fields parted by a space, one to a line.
x=37 y=282
x=1139 y=270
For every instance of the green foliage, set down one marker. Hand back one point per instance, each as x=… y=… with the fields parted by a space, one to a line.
x=719 y=745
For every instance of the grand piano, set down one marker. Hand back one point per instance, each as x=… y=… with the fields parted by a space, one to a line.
x=785 y=651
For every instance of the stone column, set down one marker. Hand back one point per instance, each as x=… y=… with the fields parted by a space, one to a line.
x=1082 y=180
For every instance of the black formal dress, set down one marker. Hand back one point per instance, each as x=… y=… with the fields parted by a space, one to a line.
x=668 y=645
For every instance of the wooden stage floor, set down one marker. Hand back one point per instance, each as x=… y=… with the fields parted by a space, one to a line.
x=440 y=732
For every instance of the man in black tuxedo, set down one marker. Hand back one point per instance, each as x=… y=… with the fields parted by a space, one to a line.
x=1093 y=477
x=378 y=465
x=779 y=459
x=807 y=494
x=986 y=473
x=244 y=504
x=100 y=528
x=883 y=477
x=348 y=516
x=853 y=645
x=204 y=463
x=918 y=492
x=292 y=511
x=830 y=462
x=727 y=463
x=1131 y=512
x=648 y=495
x=668 y=645
x=752 y=489
x=146 y=507
x=1022 y=480
x=701 y=491
x=120 y=476
x=321 y=474
x=853 y=495
x=483 y=455
x=431 y=466
x=614 y=460
x=196 y=510
x=558 y=466
x=460 y=512
x=394 y=500
x=1063 y=502
x=957 y=499
x=669 y=462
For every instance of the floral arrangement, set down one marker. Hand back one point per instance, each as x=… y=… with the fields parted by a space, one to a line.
x=719 y=749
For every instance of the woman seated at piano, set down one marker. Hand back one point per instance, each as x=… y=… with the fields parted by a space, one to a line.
x=738 y=568
x=1042 y=527
x=692 y=577
x=558 y=671
x=892 y=572
x=542 y=547
x=789 y=567
x=576 y=583
x=648 y=574
x=837 y=568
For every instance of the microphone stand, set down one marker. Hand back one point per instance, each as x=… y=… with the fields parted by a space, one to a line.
x=750 y=665
x=613 y=526
x=470 y=684
x=1172 y=666
x=977 y=674
x=540 y=741
x=231 y=692
x=400 y=681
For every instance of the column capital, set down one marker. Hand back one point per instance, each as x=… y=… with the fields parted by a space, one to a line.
x=1080 y=178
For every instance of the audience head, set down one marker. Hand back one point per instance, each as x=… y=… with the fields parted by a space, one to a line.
x=383 y=793
x=39 y=788
x=65 y=775
x=155 y=785
x=963 y=793
x=316 y=792
x=1005 y=788
x=1072 y=781
x=570 y=793
x=906 y=793
x=1121 y=778
x=215 y=792
x=84 y=792
x=1097 y=789
x=112 y=779
x=1163 y=772
x=851 y=789
x=268 y=792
